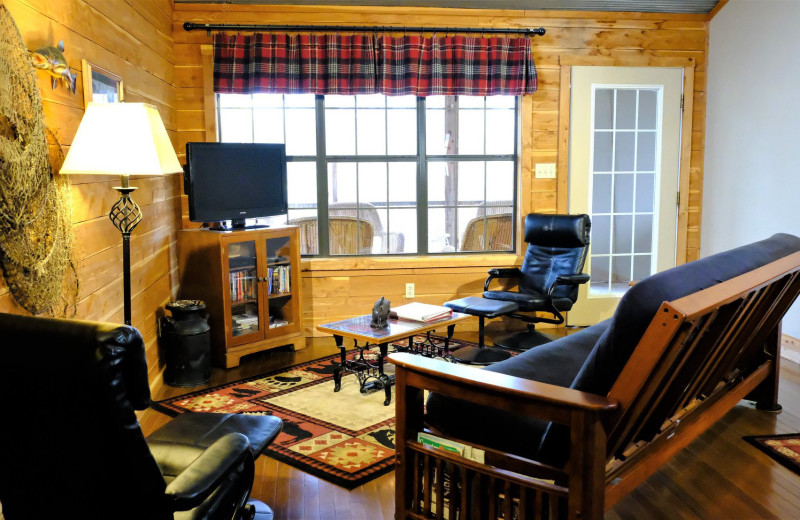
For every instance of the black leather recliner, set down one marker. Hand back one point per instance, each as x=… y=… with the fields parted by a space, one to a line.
x=70 y=441
x=549 y=277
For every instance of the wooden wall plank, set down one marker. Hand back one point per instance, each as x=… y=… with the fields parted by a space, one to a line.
x=132 y=38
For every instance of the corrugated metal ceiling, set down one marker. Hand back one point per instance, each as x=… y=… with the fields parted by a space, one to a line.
x=643 y=6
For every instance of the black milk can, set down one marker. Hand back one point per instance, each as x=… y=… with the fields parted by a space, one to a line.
x=187 y=343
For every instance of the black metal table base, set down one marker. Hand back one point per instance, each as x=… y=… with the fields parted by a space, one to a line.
x=370 y=373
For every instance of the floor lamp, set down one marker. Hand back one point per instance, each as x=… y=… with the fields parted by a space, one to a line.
x=122 y=139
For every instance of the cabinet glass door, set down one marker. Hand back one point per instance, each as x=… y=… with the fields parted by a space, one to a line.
x=243 y=280
x=279 y=283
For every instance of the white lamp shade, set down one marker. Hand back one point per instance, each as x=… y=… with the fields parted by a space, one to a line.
x=121 y=139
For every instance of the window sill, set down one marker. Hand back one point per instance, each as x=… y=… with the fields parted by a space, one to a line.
x=409 y=262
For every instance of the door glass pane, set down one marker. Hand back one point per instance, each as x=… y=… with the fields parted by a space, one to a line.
x=603 y=151
x=646 y=152
x=624 y=151
x=604 y=108
x=626 y=109
x=279 y=282
x=243 y=280
x=648 y=109
x=623 y=193
x=624 y=170
x=601 y=193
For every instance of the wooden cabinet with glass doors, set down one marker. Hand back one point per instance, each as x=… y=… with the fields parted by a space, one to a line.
x=250 y=282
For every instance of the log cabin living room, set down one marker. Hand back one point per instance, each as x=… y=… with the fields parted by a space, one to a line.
x=251 y=371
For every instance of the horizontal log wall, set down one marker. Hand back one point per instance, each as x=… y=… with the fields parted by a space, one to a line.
x=334 y=289
x=133 y=39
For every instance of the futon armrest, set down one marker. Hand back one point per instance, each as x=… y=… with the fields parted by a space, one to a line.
x=206 y=472
x=568 y=279
x=501 y=272
x=473 y=384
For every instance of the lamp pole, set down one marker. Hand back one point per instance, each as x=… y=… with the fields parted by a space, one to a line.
x=126 y=214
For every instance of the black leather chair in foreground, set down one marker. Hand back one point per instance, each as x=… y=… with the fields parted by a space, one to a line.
x=70 y=442
x=549 y=277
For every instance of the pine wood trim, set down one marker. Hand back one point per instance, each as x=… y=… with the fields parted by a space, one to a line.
x=681 y=244
x=359 y=264
x=209 y=104
x=717 y=9
x=562 y=168
x=182 y=11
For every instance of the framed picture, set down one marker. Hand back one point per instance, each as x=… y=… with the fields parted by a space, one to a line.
x=100 y=85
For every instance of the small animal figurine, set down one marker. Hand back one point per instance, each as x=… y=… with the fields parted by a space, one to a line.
x=380 y=314
x=52 y=61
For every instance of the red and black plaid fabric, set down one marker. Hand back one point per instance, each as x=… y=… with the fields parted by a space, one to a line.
x=455 y=65
x=290 y=64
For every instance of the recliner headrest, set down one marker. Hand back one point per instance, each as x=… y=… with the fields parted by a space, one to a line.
x=548 y=230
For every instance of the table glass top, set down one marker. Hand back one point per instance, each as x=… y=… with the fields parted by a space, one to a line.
x=360 y=326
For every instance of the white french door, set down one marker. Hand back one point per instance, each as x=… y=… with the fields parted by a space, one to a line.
x=624 y=165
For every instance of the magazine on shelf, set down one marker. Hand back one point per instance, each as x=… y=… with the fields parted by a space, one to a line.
x=425 y=312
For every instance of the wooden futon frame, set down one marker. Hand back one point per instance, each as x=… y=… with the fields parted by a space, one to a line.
x=700 y=356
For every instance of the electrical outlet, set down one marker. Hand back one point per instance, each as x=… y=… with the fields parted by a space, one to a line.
x=409 y=290
x=546 y=170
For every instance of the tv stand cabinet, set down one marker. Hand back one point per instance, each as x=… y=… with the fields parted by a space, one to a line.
x=250 y=282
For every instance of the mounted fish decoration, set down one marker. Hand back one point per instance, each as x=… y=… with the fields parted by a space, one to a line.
x=52 y=61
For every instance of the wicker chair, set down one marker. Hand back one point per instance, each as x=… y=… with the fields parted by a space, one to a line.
x=348 y=235
x=491 y=232
x=366 y=211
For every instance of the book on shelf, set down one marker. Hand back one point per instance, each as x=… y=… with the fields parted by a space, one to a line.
x=279 y=279
x=243 y=285
x=424 y=312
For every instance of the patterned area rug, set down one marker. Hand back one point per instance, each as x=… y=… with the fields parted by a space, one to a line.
x=346 y=437
x=785 y=449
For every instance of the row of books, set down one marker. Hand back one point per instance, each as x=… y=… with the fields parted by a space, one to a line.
x=243 y=285
x=279 y=279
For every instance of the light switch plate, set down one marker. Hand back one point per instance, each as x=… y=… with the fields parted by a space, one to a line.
x=545 y=170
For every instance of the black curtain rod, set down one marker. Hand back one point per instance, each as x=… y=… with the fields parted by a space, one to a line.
x=191 y=26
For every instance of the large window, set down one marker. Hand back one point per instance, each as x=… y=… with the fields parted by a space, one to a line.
x=389 y=174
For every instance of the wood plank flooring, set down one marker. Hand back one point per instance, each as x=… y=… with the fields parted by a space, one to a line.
x=719 y=476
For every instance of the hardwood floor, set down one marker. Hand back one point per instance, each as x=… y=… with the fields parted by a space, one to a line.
x=718 y=476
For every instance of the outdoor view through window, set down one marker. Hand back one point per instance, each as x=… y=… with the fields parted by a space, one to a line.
x=393 y=174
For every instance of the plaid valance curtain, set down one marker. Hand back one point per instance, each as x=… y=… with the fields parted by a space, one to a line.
x=455 y=65
x=359 y=64
x=291 y=64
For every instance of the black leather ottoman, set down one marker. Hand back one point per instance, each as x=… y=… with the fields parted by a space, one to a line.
x=482 y=308
x=187 y=434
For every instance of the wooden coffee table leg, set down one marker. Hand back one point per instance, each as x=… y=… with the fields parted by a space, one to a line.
x=337 y=372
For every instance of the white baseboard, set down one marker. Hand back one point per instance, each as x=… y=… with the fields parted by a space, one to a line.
x=790 y=348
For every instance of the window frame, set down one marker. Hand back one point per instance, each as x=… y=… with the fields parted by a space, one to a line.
x=322 y=160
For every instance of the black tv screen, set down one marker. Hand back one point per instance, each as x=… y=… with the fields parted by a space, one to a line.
x=235 y=181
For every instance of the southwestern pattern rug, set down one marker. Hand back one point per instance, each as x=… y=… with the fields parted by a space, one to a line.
x=785 y=449
x=344 y=437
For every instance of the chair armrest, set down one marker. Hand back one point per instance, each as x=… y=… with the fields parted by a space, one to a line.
x=200 y=478
x=501 y=390
x=501 y=272
x=568 y=279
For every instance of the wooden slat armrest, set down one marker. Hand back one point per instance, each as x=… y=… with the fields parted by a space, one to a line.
x=492 y=382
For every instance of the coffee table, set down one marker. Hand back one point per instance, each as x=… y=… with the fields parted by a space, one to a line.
x=370 y=373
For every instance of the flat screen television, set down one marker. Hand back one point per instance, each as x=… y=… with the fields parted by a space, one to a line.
x=235 y=181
